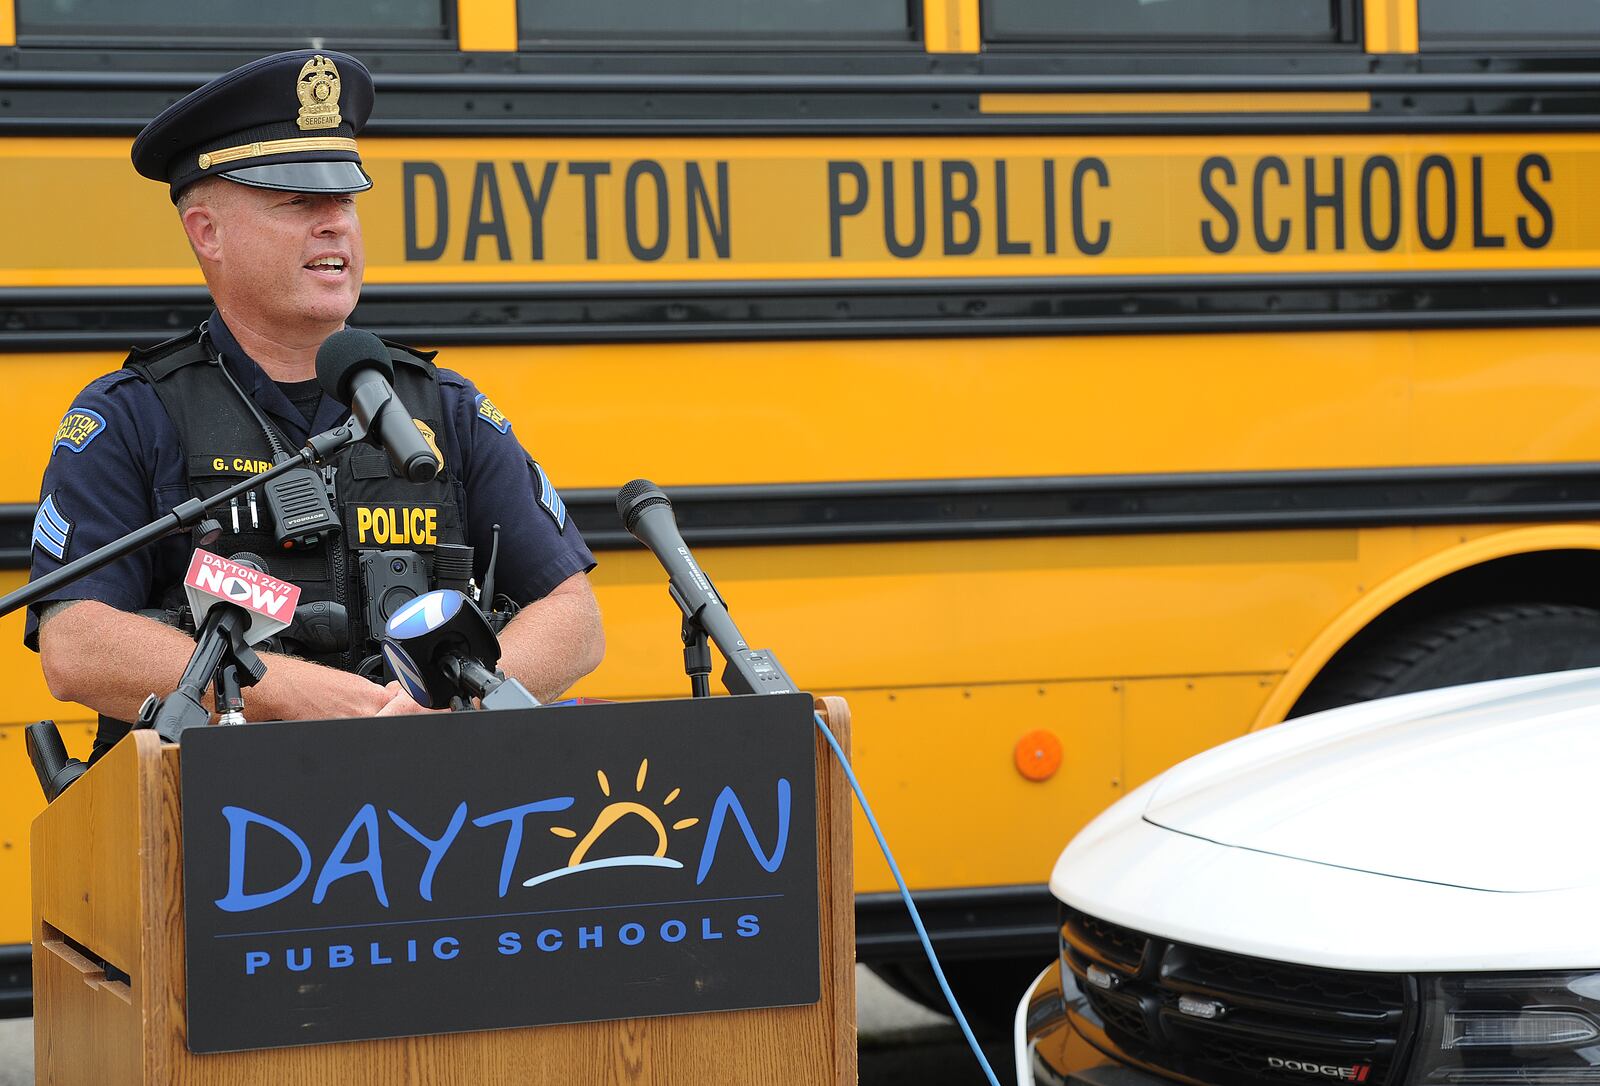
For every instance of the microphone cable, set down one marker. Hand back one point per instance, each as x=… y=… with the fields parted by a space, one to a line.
x=905 y=895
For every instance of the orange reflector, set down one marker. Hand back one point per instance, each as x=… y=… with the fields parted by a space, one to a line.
x=1038 y=755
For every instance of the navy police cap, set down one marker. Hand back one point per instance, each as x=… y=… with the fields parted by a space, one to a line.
x=288 y=121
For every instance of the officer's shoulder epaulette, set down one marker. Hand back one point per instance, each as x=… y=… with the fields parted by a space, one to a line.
x=403 y=352
x=162 y=359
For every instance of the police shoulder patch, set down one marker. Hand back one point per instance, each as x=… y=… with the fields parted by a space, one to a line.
x=491 y=414
x=78 y=428
x=549 y=500
x=52 y=532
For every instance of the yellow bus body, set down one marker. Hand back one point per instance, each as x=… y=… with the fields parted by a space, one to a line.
x=1133 y=647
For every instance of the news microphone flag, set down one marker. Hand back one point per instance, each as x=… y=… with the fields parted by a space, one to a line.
x=213 y=579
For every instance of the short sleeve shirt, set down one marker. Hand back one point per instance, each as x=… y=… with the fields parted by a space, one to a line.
x=117 y=464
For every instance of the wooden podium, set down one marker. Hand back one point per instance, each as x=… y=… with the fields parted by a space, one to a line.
x=108 y=890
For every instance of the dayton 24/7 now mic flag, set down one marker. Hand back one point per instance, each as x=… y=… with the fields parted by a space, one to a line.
x=213 y=579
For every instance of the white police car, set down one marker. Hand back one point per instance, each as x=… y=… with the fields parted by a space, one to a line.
x=1405 y=891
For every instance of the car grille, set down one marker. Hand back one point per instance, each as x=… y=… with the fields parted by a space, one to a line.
x=1273 y=1023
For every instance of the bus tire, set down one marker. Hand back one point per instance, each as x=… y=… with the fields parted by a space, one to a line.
x=1497 y=641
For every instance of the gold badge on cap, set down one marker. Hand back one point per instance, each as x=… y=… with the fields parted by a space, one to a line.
x=318 y=88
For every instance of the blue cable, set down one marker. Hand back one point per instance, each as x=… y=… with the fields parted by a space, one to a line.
x=905 y=894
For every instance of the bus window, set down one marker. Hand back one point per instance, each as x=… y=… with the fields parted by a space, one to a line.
x=1168 y=20
x=542 y=22
x=1472 y=23
x=174 y=21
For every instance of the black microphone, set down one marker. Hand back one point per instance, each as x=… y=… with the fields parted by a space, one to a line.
x=439 y=646
x=354 y=368
x=647 y=514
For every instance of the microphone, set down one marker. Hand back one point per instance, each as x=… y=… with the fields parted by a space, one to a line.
x=647 y=514
x=440 y=646
x=235 y=605
x=354 y=368
x=265 y=605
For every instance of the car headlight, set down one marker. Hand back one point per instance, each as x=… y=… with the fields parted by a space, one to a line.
x=1492 y=1028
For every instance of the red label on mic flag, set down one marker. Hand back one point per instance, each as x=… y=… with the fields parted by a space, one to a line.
x=271 y=602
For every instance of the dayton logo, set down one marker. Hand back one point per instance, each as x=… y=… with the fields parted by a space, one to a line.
x=362 y=838
x=608 y=817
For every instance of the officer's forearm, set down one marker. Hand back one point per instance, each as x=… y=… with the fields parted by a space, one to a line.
x=555 y=641
x=111 y=660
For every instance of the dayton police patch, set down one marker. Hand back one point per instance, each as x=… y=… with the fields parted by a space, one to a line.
x=78 y=427
x=491 y=414
x=51 y=531
x=549 y=499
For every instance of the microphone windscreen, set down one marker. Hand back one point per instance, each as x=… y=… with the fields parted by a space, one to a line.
x=634 y=498
x=251 y=559
x=345 y=352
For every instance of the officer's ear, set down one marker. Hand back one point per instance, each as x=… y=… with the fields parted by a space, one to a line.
x=205 y=235
x=198 y=207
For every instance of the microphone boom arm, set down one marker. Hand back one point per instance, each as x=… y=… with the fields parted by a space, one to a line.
x=184 y=517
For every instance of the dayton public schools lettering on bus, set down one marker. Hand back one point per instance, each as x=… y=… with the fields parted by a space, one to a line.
x=1022 y=207
x=507 y=210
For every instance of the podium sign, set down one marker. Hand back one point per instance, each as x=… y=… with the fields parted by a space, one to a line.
x=356 y=879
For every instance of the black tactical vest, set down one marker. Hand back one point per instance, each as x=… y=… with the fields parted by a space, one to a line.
x=380 y=511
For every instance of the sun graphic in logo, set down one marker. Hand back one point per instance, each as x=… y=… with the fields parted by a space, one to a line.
x=609 y=816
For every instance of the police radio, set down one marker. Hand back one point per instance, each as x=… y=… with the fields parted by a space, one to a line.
x=298 y=505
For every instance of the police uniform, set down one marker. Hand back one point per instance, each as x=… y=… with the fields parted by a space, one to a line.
x=170 y=424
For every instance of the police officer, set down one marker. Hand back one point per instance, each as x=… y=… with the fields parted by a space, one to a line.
x=263 y=166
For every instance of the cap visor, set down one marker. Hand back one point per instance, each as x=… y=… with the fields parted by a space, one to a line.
x=304 y=177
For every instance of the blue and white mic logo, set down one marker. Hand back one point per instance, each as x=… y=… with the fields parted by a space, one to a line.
x=420 y=616
x=424 y=614
x=405 y=669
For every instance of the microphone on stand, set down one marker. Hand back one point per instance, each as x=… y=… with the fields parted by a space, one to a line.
x=647 y=514
x=239 y=589
x=235 y=605
x=440 y=647
x=354 y=368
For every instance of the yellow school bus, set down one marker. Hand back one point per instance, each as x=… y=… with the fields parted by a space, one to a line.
x=1071 y=385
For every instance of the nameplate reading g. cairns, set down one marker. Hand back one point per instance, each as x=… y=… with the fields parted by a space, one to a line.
x=376 y=878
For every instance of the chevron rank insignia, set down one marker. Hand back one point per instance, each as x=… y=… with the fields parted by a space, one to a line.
x=549 y=499
x=51 y=531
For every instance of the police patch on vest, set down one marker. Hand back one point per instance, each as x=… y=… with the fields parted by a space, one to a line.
x=491 y=414
x=393 y=525
x=52 y=532
x=548 y=498
x=78 y=427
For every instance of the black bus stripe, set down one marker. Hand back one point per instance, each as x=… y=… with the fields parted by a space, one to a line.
x=114 y=318
x=1061 y=506
x=114 y=91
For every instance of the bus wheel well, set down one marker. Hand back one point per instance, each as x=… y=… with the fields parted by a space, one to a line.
x=1565 y=577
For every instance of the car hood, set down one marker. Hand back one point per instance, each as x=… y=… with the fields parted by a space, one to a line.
x=1487 y=787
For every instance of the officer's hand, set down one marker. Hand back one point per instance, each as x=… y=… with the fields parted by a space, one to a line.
x=402 y=704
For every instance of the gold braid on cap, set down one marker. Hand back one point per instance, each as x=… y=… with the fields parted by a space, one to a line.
x=276 y=147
